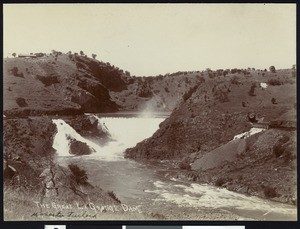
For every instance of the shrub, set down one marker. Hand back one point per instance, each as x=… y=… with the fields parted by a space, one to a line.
x=14 y=71
x=220 y=181
x=189 y=93
x=113 y=196
x=184 y=165
x=21 y=102
x=270 y=192
x=167 y=89
x=79 y=175
x=272 y=69
x=252 y=90
x=273 y=100
x=274 y=82
x=48 y=80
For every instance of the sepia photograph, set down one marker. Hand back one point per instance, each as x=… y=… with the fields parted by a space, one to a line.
x=153 y=112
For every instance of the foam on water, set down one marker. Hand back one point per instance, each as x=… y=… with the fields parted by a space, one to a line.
x=201 y=195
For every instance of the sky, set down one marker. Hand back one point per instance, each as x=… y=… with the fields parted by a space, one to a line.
x=152 y=39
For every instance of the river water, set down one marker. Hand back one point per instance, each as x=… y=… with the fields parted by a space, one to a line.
x=150 y=186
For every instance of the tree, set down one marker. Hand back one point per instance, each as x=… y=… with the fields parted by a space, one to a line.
x=273 y=100
x=94 y=56
x=127 y=73
x=272 y=69
x=14 y=54
x=81 y=53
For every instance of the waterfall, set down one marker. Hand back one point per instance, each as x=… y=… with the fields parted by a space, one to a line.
x=124 y=133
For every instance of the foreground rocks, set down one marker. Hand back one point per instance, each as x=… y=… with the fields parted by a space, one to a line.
x=32 y=173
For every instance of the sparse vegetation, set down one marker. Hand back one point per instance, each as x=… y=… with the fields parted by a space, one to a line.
x=14 y=71
x=21 y=102
x=272 y=69
x=252 y=90
x=220 y=181
x=78 y=175
x=185 y=165
x=274 y=82
x=113 y=196
x=273 y=100
x=189 y=93
x=270 y=192
x=48 y=80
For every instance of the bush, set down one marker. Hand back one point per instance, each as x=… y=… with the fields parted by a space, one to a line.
x=270 y=192
x=184 y=165
x=273 y=100
x=252 y=90
x=274 y=82
x=272 y=69
x=48 y=80
x=21 y=102
x=113 y=196
x=14 y=71
x=189 y=93
x=220 y=181
x=79 y=175
x=278 y=148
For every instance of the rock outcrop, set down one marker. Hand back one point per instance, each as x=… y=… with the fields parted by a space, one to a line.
x=79 y=148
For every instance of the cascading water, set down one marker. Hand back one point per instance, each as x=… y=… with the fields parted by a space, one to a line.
x=137 y=184
x=124 y=132
x=65 y=132
x=127 y=132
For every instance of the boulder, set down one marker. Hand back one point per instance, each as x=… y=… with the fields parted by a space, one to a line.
x=79 y=148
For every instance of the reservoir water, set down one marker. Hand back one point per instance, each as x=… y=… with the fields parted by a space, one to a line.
x=148 y=185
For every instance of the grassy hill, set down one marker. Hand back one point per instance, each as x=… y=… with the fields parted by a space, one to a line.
x=211 y=113
x=208 y=109
x=64 y=84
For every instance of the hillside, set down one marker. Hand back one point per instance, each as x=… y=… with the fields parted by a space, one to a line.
x=217 y=109
x=64 y=84
x=209 y=108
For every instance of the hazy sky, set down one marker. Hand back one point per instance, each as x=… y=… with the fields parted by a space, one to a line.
x=151 y=39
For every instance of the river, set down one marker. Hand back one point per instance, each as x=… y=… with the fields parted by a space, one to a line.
x=150 y=186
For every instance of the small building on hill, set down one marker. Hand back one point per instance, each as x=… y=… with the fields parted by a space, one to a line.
x=27 y=56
